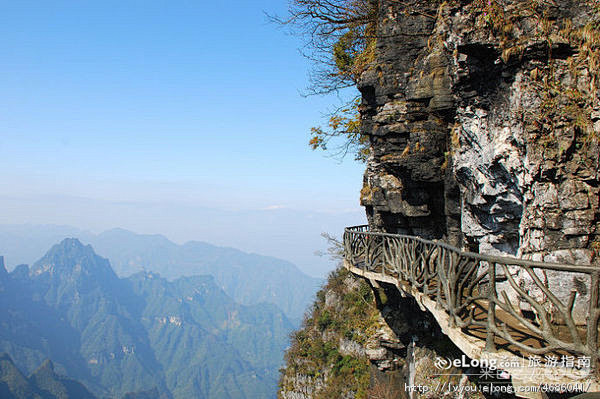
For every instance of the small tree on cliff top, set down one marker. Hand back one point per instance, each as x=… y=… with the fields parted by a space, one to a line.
x=339 y=38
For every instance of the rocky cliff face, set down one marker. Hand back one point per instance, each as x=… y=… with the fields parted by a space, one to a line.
x=360 y=341
x=483 y=119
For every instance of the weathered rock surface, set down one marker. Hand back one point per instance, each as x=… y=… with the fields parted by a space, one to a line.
x=454 y=112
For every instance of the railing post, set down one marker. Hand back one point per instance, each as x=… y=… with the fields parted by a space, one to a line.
x=368 y=250
x=383 y=255
x=490 y=345
x=451 y=281
x=346 y=247
x=438 y=271
x=592 y=325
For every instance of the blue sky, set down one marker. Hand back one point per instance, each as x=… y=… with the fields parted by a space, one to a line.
x=175 y=103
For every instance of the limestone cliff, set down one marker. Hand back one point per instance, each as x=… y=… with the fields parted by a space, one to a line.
x=483 y=119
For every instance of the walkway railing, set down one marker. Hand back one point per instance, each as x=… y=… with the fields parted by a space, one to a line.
x=486 y=295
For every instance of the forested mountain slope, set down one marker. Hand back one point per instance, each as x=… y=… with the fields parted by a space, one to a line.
x=183 y=338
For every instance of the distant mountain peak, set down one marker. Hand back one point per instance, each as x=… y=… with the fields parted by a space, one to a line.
x=71 y=247
x=74 y=244
x=47 y=365
x=71 y=256
x=21 y=272
x=124 y=233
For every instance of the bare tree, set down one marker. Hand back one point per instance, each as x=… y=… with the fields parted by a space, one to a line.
x=339 y=38
x=335 y=249
x=335 y=34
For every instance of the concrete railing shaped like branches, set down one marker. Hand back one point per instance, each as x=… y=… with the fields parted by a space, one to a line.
x=533 y=308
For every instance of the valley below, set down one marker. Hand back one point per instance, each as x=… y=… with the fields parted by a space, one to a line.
x=196 y=321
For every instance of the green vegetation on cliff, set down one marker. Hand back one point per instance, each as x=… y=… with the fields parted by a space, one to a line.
x=327 y=355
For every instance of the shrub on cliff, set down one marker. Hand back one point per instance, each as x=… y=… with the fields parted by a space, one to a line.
x=327 y=355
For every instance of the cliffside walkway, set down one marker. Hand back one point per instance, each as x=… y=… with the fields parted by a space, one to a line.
x=510 y=310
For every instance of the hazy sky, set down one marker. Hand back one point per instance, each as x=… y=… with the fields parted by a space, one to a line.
x=167 y=105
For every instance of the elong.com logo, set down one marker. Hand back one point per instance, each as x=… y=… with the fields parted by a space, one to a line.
x=444 y=363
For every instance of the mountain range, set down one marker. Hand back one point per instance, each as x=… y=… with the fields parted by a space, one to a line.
x=43 y=383
x=249 y=279
x=178 y=338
